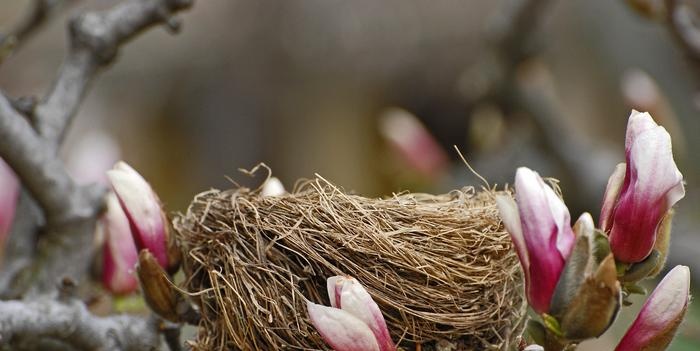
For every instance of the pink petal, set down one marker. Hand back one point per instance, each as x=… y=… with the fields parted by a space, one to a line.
x=413 y=142
x=612 y=193
x=508 y=211
x=341 y=330
x=661 y=313
x=358 y=302
x=120 y=254
x=654 y=185
x=9 y=193
x=142 y=207
x=335 y=288
x=549 y=239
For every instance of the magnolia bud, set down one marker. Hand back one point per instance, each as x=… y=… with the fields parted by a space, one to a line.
x=120 y=255
x=634 y=207
x=662 y=313
x=354 y=322
x=158 y=291
x=540 y=228
x=587 y=297
x=142 y=207
x=413 y=142
x=272 y=187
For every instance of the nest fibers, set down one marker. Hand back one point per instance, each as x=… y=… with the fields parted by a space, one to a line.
x=441 y=267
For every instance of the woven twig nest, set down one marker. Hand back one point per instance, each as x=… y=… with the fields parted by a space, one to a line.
x=441 y=267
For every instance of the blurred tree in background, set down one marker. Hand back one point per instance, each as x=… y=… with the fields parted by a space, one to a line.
x=313 y=87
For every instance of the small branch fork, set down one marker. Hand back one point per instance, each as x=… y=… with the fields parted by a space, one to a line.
x=30 y=145
x=31 y=131
x=95 y=39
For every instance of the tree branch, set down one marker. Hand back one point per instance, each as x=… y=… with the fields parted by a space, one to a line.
x=42 y=173
x=95 y=39
x=67 y=323
x=70 y=211
x=37 y=15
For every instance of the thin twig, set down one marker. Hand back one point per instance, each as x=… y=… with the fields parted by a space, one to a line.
x=95 y=38
x=42 y=173
x=70 y=211
x=37 y=15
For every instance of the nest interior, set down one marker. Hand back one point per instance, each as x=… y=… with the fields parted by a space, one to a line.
x=440 y=267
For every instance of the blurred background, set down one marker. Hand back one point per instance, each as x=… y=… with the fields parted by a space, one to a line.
x=374 y=95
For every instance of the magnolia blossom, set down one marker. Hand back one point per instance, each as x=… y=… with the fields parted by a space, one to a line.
x=142 y=208
x=9 y=192
x=354 y=321
x=120 y=254
x=661 y=314
x=541 y=231
x=641 y=191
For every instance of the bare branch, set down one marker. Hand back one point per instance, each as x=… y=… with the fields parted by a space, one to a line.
x=20 y=246
x=31 y=325
x=70 y=211
x=35 y=162
x=95 y=39
x=36 y=16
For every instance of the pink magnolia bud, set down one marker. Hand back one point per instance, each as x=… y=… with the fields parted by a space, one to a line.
x=635 y=205
x=9 y=192
x=413 y=142
x=142 y=208
x=661 y=314
x=354 y=322
x=120 y=254
x=540 y=227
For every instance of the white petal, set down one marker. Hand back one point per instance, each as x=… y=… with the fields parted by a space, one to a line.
x=341 y=330
x=358 y=302
x=511 y=220
x=637 y=124
x=142 y=207
x=334 y=285
x=612 y=193
x=273 y=187
x=584 y=225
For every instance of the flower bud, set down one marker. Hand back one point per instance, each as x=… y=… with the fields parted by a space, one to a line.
x=120 y=255
x=413 y=142
x=354 y=322
x=9 y=193
x=662 y=313
x=587 y=296
x=272 y=187
x=539 y=225
x=157 y=290
x=142 y=208
x=634 y=207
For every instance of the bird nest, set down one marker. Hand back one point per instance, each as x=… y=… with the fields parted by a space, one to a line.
x=440 y=267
